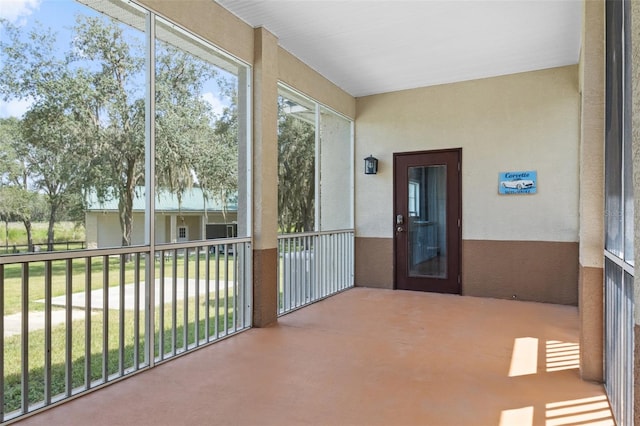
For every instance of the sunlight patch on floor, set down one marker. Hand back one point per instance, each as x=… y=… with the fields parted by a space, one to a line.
x=517 y=417
x=524 y=359
x=592 y=411
x=562 y=355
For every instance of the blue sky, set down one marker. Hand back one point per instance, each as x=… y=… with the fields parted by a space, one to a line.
x=59 y=15
x=56 y=14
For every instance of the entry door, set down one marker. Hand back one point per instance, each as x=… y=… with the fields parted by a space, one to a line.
x=183 y=234
x=427 y=220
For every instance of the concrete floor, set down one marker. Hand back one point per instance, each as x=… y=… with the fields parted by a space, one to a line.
x=368 y=357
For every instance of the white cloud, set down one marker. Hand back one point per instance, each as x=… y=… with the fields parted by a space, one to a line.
x=15 y=10
x=14 y=108
x=217 y=106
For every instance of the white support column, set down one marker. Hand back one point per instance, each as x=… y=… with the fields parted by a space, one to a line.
x=173 y=233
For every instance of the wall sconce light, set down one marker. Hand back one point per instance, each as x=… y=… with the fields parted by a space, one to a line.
x=370 y=165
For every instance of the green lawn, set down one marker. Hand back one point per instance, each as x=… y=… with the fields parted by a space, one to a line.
x=12 y=355
x=15 y=234
x=13 y=273
x=173 y=337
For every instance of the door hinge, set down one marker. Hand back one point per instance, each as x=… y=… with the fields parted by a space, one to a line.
x=459 y=166
x=459 y=279
x=459 y=222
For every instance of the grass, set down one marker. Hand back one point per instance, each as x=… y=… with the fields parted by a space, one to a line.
x=36 y=287
x=62 y=231
x=176 y=319
x=117 y=357
x=36 y=270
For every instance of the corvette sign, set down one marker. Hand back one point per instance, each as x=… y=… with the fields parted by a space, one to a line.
x=518 y=182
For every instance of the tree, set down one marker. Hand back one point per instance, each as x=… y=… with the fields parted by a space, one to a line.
x=52 y=150
x=217 y=170
x=112 y=67
x=53 y=134
x=183 y=123
x=16 y=201
x=16 y=204
x=85 y=130
x=183 y=120
x=296 y=176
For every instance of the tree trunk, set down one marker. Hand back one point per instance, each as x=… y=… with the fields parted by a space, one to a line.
x=125 y=206
x=126 y=221
x=28 y=228
x=52 y=221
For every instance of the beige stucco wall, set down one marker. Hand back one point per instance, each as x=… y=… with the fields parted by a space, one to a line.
x=528 y=121
x=210 y=21
x=297 y=74
x=336 y=171
x=214 y=23
x=592 y=136
x=265 y=140
x=592 y=192
x=265 y=178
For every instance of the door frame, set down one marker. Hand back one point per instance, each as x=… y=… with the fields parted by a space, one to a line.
x=186 y=233
x=458 y=212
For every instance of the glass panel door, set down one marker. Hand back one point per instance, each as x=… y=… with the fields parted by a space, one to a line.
x=427 y=222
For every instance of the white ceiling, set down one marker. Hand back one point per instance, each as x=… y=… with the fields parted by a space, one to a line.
x=368 y=47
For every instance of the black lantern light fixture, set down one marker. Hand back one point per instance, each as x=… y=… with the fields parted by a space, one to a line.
x=370 y=165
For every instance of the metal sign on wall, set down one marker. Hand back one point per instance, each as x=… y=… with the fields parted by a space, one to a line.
x=518 y=182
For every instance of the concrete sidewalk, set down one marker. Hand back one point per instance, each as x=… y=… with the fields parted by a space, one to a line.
x=13 y=323
x=78 y=300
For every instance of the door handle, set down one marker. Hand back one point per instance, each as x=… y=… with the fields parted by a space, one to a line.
x=399 y=229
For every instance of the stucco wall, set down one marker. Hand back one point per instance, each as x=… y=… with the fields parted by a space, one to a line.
x=336 y=172
x=527 y=121
x=210 y=21
x=226 y=31
x=592 y=191
x=300 y=76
